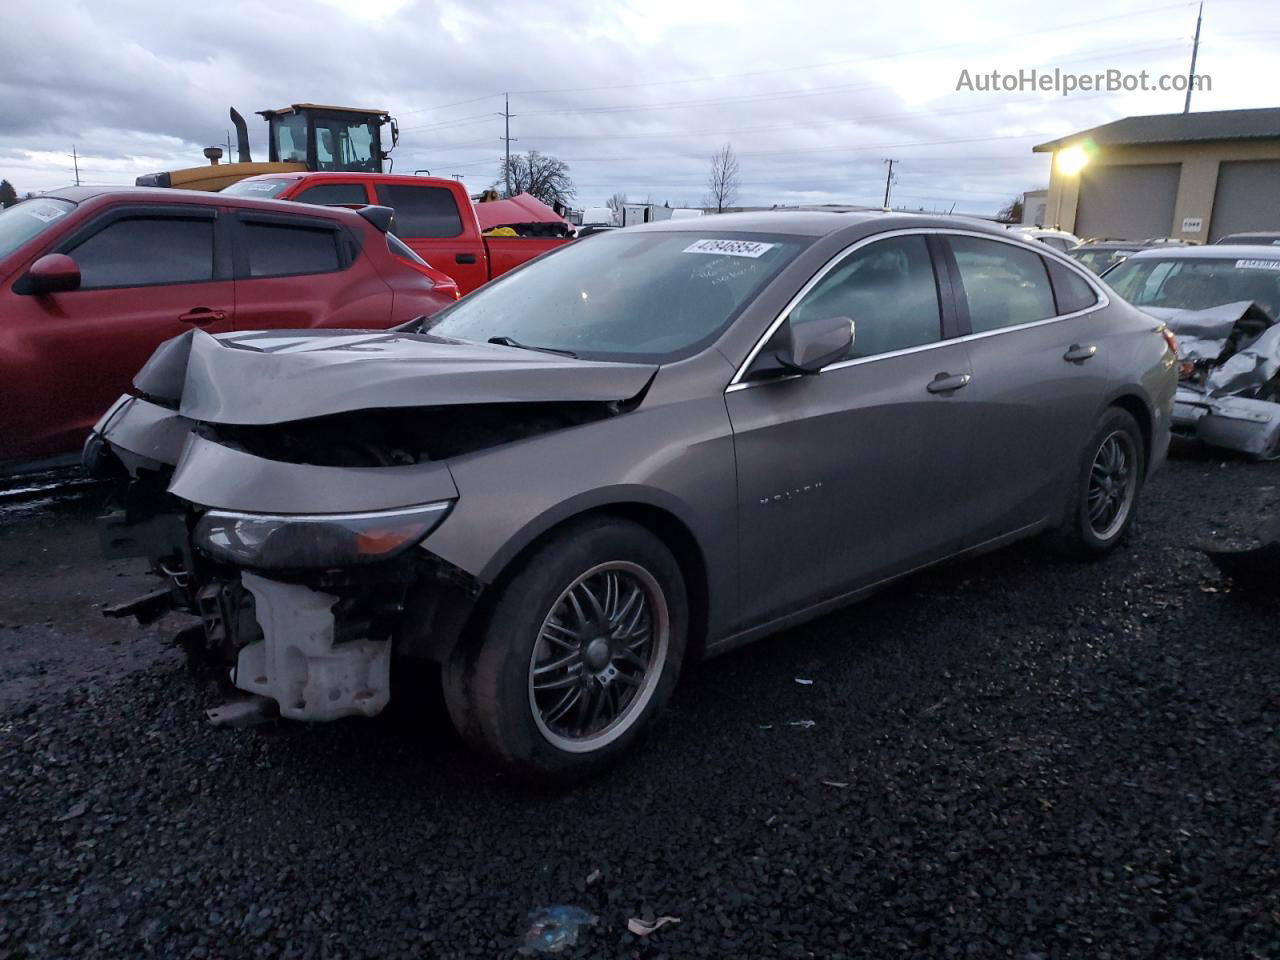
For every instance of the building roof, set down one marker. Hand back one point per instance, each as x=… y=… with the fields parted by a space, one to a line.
x=1261 y=124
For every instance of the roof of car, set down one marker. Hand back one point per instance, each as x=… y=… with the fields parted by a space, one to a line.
x=1211 y=251
x=169 y=195
x=817 y=223
x=1252 y=233
x=1108 y=245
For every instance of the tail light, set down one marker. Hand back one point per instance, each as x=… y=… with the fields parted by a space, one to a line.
x=443 y=282
x=1170 y=339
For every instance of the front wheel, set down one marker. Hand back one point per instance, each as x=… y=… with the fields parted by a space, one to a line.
x=581 y=649
x=1106 y=488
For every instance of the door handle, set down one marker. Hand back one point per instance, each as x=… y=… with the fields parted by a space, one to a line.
x=201 y=316
x=1079 y=354
x=465 y=258
x=946 y=383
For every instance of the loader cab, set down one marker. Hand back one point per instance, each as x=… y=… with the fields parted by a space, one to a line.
x=327 y=138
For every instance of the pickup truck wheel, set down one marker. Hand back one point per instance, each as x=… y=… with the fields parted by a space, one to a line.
x=1106 y=488
x=581 y=649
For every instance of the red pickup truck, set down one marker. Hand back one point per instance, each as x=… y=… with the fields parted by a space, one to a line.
x=433 y=216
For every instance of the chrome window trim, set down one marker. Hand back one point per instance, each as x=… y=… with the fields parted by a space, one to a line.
x=1103 y=301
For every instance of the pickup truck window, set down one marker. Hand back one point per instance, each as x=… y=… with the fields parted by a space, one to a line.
x=142 y=251
x=277 y=250
x=624 y=296
x=421 y=211
x=323 y=193
x=262 y=189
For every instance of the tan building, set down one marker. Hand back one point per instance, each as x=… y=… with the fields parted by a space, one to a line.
x=1195 y=176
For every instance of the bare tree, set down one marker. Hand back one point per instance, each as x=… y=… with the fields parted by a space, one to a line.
x=722 y=184
x=616 y=203
x=1012 y=212
x=547 y=178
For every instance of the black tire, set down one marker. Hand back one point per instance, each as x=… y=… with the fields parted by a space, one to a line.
x=489 y=682
x=1082 y=533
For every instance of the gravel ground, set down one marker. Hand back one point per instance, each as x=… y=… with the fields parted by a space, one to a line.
x=1011 y=757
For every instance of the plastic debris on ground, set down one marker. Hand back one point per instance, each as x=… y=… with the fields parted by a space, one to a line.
x=802 y=724
x=804 y=681
x=642 y=928
x=553 y=929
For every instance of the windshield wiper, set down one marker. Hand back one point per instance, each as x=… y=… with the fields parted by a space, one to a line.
x=508 y=342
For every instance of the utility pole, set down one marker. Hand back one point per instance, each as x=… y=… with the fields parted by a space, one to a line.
x=1195 y=48
x=506 y=115
x=888 y=182
x=228 y=146
x=75 y=160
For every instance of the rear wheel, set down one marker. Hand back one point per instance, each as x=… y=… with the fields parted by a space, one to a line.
x=582 y=647
x=1107 y=484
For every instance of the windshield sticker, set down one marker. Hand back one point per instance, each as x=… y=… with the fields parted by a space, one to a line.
x=730 y=248
x=262 y=186
x=1258 y=264
x=44 y=212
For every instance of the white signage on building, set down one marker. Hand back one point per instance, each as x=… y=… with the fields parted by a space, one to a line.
x=1192 y=224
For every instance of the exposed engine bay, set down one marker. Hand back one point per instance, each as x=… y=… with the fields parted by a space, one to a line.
x=296 y=540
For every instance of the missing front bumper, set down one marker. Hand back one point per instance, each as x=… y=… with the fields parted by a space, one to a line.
x=299 y=663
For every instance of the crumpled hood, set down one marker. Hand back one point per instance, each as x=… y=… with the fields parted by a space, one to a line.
x=1202 y=334
x=269 y=377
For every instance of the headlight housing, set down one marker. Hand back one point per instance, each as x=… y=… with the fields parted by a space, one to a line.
x=308 y=541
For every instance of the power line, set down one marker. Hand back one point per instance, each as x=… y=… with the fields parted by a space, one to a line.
x=987 y=43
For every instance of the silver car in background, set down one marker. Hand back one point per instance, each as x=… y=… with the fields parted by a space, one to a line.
x=1222 y=302
x=650 y=447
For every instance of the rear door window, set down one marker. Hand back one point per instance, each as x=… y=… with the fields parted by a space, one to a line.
x=1004 y=285
x=275 y=249
x=421 y=211
x=329 y=193
x=1072 y=291
x=144 y=251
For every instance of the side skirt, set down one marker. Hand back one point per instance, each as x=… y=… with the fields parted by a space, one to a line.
x=779 y=624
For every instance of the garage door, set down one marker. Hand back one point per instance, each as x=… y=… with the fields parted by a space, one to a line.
x=1129 y=202
x=1248 y=197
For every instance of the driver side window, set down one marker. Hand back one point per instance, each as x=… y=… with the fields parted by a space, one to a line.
x=888 y=289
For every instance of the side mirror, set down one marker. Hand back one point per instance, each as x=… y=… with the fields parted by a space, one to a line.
x=52 y=273
x=815 y=343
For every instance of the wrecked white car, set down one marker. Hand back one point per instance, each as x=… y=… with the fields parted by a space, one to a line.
x=1222 y=303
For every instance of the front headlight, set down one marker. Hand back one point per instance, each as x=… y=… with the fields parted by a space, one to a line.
x=294 y=541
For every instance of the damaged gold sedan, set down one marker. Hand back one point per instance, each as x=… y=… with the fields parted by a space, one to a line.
x=653 y=446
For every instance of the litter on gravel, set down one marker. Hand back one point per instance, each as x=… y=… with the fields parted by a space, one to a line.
x=553 y=929
x=642 y=928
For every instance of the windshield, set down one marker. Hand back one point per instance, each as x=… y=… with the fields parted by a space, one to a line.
x=264 y=189
x=348 y=145
x=28 y=219
x=624 y=295
x=1197 y=284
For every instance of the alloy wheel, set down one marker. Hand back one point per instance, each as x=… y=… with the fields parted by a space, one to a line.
x=1113 y=483
x=599 y=655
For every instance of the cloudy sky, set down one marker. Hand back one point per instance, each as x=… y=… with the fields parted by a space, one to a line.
x=635 y=94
